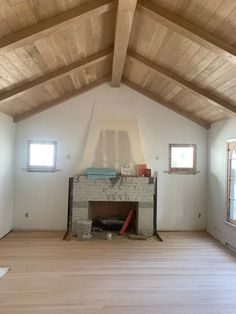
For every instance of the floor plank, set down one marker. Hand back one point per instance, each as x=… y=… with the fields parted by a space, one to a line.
x=188 y=273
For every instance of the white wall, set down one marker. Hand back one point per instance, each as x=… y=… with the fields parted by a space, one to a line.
x=218 y=135
x=7 y=143
x=180 y=198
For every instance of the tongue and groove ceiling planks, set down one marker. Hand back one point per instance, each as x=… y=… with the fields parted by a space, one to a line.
x=179 y=53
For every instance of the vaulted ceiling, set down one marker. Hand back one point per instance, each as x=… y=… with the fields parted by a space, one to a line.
x=180 y=53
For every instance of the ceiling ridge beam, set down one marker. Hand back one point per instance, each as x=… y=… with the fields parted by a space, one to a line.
x=58 y=22
x=188 y=30
x=164 y=103
x=60 y=99
x=178 y=80
x=79 y=65
x=124 y=21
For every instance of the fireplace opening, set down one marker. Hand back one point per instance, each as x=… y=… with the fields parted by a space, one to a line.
x=110 y=216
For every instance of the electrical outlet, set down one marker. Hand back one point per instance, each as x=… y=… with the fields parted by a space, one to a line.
x=26 y=215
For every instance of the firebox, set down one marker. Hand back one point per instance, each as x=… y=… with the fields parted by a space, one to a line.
x=111 y=215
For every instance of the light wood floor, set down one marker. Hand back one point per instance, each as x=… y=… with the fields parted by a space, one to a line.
x=189 y=273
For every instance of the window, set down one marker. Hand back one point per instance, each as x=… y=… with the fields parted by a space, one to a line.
x=41 y=156
x=182 y=158
x=231 y=182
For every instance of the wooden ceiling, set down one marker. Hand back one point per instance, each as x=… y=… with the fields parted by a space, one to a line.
x=180 y=53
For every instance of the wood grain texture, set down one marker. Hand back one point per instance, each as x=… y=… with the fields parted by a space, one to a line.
x=124 y=21
x=192 y=41
x=100 y=56
x=170 y=93
x=59 y=88
x=60 y=49
x=183 y=83
x=184 y=58
x=187 y=273
x=216 y=17
x=188 y=30
x=33 y=12
x=164 y=103
x=70 y=94
x=56 y=23
x=61 y=99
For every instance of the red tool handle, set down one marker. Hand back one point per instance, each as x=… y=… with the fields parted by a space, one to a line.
x=127 y=221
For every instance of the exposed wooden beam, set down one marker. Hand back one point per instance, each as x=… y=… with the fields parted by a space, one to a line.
x=188 y=30
x=57 y=22
x=57 y=101
x=178 y=80
x=169 y=105
x=79 y=65
x=124 y=21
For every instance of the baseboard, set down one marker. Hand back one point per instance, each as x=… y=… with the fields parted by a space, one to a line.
x=225 y=244
x=5 y=235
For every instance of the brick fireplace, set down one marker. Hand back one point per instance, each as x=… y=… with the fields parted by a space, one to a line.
x=139 y=190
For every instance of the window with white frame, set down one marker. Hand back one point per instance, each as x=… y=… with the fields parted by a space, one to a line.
x=231 y=181
x=42 y=156
x=182 y=157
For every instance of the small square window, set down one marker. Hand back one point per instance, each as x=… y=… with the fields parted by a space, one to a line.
x=182 y=157
x=41 y=156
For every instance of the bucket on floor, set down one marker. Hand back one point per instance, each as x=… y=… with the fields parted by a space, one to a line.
x=84 y=230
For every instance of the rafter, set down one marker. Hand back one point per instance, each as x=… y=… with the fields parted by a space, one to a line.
x=188 y=30
x=124 y=21
x=161 y=71
x=79 y=65
x=164 y=103
x=58 y=22
x=59 y=100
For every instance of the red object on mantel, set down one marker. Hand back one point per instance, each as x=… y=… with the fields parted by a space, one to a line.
x=127 y=221
x=140 y=170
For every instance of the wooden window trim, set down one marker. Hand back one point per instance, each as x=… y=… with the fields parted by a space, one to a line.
x=231 y=142
x=30 y=168
x=192 y=170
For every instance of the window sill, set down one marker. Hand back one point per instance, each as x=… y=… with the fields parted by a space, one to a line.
x=230 y=224
x=41 y=170
x=182 y=172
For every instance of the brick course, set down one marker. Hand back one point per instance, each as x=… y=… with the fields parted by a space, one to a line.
x=120 y=189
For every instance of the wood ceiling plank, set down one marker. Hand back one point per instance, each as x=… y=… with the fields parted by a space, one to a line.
x=175 y=53
x=124 y=21
x=103 y=55
x=182 y=82
x=147 y=36
x=36 y=57
x=200 y=67
x=19 y=64
x=171 y=106
x=11 y=69
x=219 y=77
x=19 y=14
x=208 y=70
x=57 y=101
x=217 y=19
x=206 y=14
x=188 y=30
x=58 y=22
x=52 y=90
x=26 y=59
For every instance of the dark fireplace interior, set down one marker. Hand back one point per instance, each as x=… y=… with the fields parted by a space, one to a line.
x=110 y=216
